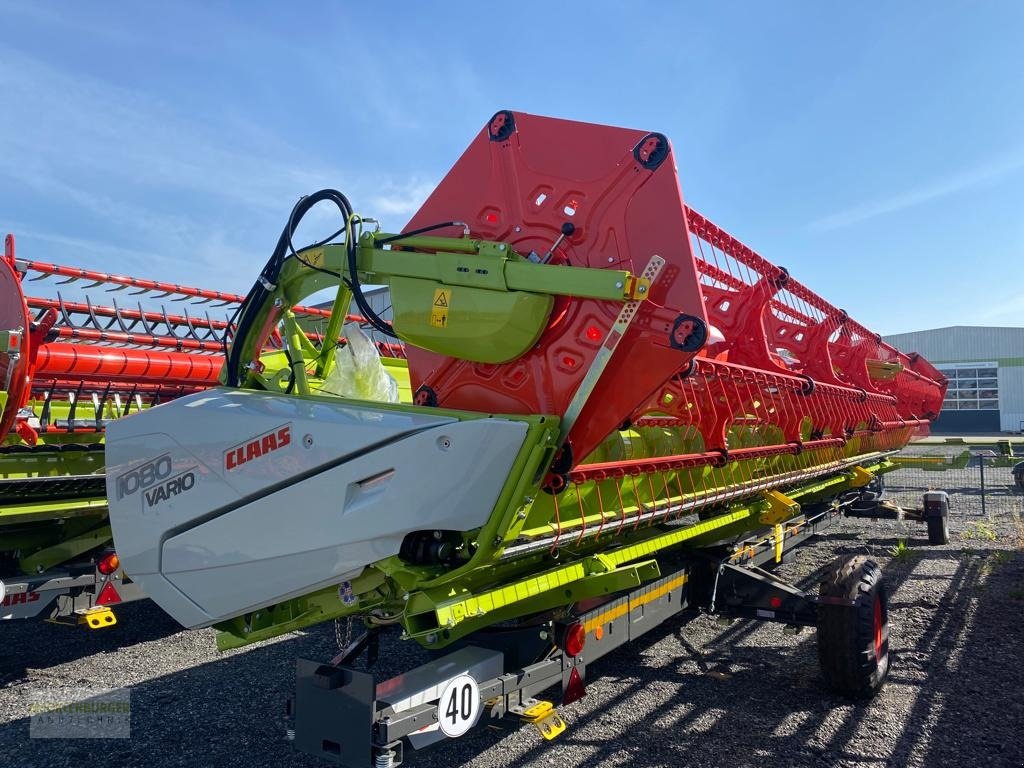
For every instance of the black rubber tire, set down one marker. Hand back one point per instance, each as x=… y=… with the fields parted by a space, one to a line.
x=853 y=640
x=938 y=529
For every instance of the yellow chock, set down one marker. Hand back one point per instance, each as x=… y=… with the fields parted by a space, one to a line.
x=99 y=617
x=861 y=477
x=545 y=719
x=780 y=508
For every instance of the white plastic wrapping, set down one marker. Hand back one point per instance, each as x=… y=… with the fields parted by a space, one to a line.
x=358 y=372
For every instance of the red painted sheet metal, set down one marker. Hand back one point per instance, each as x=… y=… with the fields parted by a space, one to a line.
x=14 y=376
x=522 y=178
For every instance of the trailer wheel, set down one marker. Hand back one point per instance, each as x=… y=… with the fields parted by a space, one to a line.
x=938 y=529
x=853 y=640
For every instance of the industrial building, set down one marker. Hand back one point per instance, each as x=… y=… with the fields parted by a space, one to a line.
x=985 y=368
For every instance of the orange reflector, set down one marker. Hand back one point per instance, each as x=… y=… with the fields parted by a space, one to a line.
x=108 y=595
x=109 y=564
x=575 y=690
x=598 y=632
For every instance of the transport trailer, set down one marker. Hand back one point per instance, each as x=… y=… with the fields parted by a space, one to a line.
x=76 y=592
x=345 y=716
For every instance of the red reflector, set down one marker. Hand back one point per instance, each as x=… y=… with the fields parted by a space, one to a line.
x=109 y=564
x=568 y=362
x=575 y=639
x=491 y=217
x=575 y=690
x=775 y=602
x=593 y=332
x=108 y=595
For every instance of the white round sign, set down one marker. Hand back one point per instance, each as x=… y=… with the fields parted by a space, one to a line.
x=458 y=709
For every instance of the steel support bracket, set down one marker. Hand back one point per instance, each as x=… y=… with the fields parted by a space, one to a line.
x=780 y=508
x=860 y=477
x=542 y=715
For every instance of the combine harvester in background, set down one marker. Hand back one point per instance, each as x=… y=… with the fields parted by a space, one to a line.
x=67 y=368
x=620 y=413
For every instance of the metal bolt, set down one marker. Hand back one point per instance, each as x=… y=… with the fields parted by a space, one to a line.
x=278 y=303
x=610 y=259
x=618 y=285
x=642 y=289
x=405 y=596
x=431 y=638
x=521 y=514
x=501 y=247
x=307 y=440
x=518 y=228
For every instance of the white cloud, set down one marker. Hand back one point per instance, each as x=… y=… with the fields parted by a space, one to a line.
x=179 y=198
x=991 y=171
x=1008 y=310
x=398 y=201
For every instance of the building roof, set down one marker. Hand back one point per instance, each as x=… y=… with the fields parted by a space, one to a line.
x=963 y=343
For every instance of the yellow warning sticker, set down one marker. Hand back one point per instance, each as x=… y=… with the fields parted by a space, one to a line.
x=439 y=310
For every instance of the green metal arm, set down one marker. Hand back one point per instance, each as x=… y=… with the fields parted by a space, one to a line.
x=473 y=299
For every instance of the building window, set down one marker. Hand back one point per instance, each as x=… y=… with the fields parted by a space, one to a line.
x=972 y=386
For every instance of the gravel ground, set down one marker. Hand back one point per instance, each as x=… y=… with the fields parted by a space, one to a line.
x=692 y=693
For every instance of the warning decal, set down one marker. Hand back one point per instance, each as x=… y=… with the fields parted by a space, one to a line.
x=439 y=310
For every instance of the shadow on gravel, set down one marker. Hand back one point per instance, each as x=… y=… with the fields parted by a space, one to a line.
x=227 y=712
x=956 y=662
x=953 y=696
x=35 y=644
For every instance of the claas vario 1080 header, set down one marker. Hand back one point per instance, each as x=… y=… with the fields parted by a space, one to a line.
x=73 y=358
x=610 y=404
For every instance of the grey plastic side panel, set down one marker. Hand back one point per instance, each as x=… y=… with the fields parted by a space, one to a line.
x=313 y=534
x=246 y=536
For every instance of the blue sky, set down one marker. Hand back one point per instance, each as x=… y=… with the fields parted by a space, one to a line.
x=877 y=152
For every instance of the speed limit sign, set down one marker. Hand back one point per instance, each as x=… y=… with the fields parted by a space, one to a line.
x=458 y=709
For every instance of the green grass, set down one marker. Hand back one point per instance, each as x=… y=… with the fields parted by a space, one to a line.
x=980 y=530
x=900 y=552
